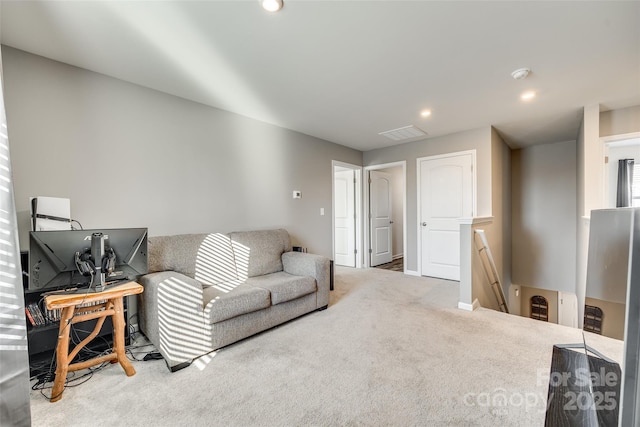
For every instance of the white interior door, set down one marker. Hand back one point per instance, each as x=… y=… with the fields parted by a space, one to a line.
x=567 y=309
x=446 y=195
x=380 y=202
x=345 y=218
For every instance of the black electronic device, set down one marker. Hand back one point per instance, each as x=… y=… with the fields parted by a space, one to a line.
x=584 y=388
x=97 y=262
x=78 y=258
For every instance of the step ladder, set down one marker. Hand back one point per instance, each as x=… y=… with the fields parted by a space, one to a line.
x=490 y=269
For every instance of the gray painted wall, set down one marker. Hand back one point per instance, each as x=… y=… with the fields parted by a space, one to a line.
x=544 y=207
x=595 y=125
x=501 y=202
x=128 y=156
x=497 y=229
x=479 y=139
x=620 y=122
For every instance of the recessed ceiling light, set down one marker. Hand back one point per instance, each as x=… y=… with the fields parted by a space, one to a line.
x=527 y=96
x=271 y=5
x=425 y=113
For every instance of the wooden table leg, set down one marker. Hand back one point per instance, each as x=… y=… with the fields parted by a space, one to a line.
x=118 y=337
x=106 y=303
x=62 y=353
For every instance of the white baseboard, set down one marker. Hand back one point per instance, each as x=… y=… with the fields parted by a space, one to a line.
x=411 y=273
x=469 y=307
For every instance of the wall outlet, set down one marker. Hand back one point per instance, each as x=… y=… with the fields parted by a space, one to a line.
x=321 y=211
x=297 y=194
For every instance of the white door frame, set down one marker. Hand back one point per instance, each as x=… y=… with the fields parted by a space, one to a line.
x=358 y=202
x=367 y=223
x=419 y=191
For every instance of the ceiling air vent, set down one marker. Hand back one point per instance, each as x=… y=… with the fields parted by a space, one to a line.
x=404 y=133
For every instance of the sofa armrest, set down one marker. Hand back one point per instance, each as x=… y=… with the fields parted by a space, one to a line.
x=171 y=311
x=316 y=266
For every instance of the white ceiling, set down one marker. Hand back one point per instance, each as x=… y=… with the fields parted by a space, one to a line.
x=346 y=70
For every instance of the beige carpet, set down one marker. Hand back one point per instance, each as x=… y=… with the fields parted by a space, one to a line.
x=390 y=350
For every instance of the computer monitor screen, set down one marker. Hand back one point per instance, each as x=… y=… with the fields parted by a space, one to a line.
x=52 y=256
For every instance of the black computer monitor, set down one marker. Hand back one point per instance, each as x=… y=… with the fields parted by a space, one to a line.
x=52 y=256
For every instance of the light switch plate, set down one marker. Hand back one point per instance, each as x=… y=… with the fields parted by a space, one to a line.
x=297 y=194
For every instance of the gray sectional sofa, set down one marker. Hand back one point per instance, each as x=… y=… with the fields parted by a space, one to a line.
x=205 y=291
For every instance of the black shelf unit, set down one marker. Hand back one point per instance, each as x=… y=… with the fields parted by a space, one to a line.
x=42 y=340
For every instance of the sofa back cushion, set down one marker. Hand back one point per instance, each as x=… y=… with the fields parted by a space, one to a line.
x=207 y=258
x=259 y=252
x=174 y=253
x=215 y=261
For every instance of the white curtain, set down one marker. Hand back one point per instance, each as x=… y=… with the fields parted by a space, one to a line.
x=14 y=360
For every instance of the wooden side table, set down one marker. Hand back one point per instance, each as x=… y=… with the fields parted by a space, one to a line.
x=111 y=305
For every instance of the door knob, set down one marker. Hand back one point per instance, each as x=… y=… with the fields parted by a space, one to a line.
x=390 y=222
x=424 y=224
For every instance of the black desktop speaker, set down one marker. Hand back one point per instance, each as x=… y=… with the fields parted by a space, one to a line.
x=24 y=262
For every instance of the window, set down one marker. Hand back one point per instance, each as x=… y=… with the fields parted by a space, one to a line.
x=635 y=186
x=593 y=319
x=539 y=308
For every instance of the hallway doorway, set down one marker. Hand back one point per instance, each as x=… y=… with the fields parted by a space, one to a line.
x=385 y=204
x=395 y=265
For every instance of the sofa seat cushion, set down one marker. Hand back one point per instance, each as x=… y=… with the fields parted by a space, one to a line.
x=284 y=286
x=222 y=304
